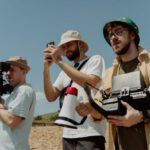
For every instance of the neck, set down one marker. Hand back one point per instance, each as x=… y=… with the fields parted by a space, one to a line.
x=21 y=83
x=131 y=54
x=80 y=58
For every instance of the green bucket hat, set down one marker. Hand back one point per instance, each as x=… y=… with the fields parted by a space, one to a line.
x=126 y=21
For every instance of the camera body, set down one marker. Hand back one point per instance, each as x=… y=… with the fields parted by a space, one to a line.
x=112 y=106
x=138 y=99
x=4 y=87
x=125 y=87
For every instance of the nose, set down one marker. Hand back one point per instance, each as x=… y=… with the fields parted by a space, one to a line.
x=8 y=73
x=114 y=36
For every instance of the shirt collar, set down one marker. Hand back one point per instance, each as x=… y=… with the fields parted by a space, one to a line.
x=80 y=62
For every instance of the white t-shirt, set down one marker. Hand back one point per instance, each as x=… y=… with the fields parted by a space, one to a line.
x=21 y=102
x=96 y=66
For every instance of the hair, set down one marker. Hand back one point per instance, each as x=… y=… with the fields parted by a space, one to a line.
x=130 y=29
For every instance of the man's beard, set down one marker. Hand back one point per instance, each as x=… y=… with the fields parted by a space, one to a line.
x=75 y=55
x=123 y=50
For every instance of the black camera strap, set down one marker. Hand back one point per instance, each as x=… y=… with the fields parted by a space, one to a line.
x=91 y=100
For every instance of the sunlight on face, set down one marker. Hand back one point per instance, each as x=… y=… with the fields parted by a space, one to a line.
x=15 y=75
x=71 y=50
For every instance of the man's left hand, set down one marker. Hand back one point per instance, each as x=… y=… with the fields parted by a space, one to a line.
x=83 y=109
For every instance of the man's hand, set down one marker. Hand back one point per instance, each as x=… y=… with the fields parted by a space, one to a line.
x=2 y=106
x=53 y=54
x=83 y=109
x=47 y=57
x=1 y=103
x=131 y=118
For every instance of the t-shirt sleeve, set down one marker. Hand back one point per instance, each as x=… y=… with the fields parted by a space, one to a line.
x=96 y=66
x=22 y=102
x=59 y=83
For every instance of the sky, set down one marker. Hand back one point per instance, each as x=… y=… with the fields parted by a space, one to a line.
x=27 y=25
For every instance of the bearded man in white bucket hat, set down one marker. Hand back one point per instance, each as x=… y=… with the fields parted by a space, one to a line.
x=90 y=135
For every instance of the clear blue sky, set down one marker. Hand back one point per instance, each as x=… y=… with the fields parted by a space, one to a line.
x=27 y=25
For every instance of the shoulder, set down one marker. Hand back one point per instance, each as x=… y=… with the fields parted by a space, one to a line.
x=26 y=92
x=144 y=54
x=25 y=88
x=97 y=57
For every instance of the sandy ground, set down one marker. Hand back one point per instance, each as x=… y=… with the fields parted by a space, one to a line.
x=45 y=138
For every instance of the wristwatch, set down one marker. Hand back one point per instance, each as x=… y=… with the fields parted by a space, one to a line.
x=146 y=117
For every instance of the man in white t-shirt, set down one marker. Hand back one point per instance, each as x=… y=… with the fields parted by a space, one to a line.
x=16 y=112
x=90 y=135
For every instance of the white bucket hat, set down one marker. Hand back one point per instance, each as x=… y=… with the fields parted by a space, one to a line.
x=72 y=35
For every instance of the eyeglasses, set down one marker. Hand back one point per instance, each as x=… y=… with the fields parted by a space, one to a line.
x=117 y=32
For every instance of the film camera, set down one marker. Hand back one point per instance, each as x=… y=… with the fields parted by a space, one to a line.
x=138 y=99
x=126 y=87
x=4 y=87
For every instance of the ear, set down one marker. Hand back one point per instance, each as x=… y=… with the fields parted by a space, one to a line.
x=62 y=51
x=132 y=35
x=24 y=71
x=80 y=45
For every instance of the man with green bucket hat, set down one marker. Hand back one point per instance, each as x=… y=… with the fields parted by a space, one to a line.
x=132 y=130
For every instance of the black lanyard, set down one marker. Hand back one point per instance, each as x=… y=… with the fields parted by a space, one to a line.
x=62 y=92
x=81 y=65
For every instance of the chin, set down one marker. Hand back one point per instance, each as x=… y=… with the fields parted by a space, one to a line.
x=116 y=50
